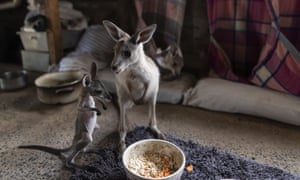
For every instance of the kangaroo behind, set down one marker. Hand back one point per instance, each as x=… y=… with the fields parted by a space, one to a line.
x=170 y=62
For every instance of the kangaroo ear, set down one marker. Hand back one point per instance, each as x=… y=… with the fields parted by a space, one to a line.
x=114 y=31
x=175 y=50
x=144 y=35
x=165 y=52
x=93 y=70
x=85 y=80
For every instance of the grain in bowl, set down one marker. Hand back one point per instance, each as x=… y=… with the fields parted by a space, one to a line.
x=153 y=159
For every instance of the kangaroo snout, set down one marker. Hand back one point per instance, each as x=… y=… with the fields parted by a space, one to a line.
x=115 y=68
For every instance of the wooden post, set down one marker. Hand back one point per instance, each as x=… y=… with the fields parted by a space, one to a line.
x=54 y=32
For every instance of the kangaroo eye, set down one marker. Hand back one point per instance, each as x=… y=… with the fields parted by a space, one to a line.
x=99 y=91
x=126 y=54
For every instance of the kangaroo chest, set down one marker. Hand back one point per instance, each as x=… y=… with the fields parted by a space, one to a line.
x=136 y=81
x=135 y=84
x=86 y=119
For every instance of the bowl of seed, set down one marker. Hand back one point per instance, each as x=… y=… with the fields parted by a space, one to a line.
x=153 y=159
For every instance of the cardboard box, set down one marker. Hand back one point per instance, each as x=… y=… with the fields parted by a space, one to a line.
x=34 y=41
x=38 y=41
x=35 y=61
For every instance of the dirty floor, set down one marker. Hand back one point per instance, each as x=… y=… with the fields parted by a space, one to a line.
x=24 y=120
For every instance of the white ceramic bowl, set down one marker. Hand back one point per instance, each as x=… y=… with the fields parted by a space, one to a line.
x=154 y=146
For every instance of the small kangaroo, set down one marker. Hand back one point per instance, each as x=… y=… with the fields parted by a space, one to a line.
x=86 y=121
x=137 y=76
x=170 y=62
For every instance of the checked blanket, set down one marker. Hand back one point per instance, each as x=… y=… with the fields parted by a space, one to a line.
x=251 y=41
x=256 y=41
x=167 y=14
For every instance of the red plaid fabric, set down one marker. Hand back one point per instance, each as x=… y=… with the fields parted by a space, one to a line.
x=256 y=41
x=167 y=14
x=279 y=64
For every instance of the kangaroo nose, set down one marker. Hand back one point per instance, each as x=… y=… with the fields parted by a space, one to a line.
x=114 y=67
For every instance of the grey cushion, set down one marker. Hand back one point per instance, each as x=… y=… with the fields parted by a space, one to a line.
x=97 y=42
x=227 y=96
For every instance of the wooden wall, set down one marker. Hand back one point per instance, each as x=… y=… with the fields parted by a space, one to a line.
x=10 y=22
x=194 y=40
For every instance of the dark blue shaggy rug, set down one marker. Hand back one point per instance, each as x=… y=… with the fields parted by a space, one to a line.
x=208 y=163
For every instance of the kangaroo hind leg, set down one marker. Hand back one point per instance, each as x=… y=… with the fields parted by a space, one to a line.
x=153 y=121
x=76 y=149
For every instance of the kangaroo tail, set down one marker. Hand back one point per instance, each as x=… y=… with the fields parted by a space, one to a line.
x=47 y=149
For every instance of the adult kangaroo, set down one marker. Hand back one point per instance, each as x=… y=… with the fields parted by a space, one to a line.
x=137 y=76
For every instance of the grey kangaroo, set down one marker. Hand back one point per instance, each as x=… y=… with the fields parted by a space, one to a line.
x=137 y=76
x=170 y=62
x=86 y=120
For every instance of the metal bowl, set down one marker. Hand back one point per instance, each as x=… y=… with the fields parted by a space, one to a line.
x=13 y=80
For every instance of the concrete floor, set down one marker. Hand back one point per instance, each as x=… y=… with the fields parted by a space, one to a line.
x=24 y=120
